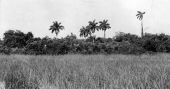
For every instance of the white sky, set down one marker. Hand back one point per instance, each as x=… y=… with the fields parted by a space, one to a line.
x=37 y=15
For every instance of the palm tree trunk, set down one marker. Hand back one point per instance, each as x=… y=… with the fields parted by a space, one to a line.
x=56 y=33
x=104 y=33
x=141 y=28
x=91 y=38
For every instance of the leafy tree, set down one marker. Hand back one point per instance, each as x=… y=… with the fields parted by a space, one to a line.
x=56 y=27
x=134 y=39
x=140 y=17
x=71 y=37
x=35 y=47
x=29 y=37
x=104 y=25
x=156 y=42
x=14 y=39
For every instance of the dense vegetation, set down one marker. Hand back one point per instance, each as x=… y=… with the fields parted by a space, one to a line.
x=85 y=72
x=17 y=42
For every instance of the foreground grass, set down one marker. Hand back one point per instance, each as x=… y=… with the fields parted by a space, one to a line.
x=86 y=72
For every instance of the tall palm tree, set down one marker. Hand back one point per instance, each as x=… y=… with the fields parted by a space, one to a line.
x=92 y=26
x=56 y=27
x=104 y=25
x=140 y=17
x=89 y=29
x=83 y=32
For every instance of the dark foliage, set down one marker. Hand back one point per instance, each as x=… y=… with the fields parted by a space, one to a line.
x=126 y=47
x=16 y=39
x=131 y=38
x=5 y=50
x=156 y=43
x=1 y=42
x=16 y=42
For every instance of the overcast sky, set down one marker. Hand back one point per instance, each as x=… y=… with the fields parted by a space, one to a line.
x=37 y=15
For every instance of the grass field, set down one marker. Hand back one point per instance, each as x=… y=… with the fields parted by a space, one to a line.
x=86 y=71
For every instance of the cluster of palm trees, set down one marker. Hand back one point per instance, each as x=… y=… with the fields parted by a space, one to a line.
x=89 y=30
x=85 y=31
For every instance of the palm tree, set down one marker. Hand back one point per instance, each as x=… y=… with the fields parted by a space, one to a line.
x=89 y=29
x=140 y=17
x=104 y=25
x=92 y=26
x=83 y=32
x=56 y=27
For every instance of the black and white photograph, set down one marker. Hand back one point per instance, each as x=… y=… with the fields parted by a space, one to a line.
x=84 y=44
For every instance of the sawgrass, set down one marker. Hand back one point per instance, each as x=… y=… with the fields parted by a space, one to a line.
x=86 y=71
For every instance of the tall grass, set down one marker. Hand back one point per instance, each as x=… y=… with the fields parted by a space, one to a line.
x=86 y=72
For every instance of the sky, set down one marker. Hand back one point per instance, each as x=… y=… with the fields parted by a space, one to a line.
x=36 y=16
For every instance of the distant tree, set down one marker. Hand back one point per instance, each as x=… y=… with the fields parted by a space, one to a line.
x=89 y=30
x=29 y=36
x=83 y=32
x=9 y=40
x=92 y=27
x=72 y=36
x=131 y=38
x=56 y=27
x=16 y=38
x=156 y=42
x=104 y=25
x=140 y=17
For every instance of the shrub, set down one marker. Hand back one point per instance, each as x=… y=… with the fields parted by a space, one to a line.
x=34 y=47
x=16 y=38
x=156 y=43
x=120 y=37
x=5 y=50
x=164 y=46
x=128 y=48
x=17 y=50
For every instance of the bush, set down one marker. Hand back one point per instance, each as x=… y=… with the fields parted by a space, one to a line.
x=156 y=43
x=164 y=46
x=131 y=38
x=34 y=47
x=128 y=48
x=18 y=51
x=16 y=38
x=5 y=50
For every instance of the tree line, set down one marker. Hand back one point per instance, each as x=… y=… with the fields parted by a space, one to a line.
x=17 y=42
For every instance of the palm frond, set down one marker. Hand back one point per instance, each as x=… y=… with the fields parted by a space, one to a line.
x=139 y=12
x=140 y=15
